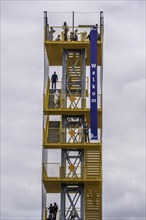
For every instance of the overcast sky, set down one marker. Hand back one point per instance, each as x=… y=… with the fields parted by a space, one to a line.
x=123 y=113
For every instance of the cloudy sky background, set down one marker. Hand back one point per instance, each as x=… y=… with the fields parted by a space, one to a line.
x=123 y=114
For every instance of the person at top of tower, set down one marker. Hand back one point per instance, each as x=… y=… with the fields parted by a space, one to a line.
x=71 y=36
x=58 y=38
x=65 y=29
x=50 y=34
x=54 y=79
x=76 y=35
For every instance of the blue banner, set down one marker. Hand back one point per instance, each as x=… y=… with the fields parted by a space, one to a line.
x=93 y=83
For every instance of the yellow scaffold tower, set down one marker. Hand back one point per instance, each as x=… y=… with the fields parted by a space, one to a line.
x=68 y=116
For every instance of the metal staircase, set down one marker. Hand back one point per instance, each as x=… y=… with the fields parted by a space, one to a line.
x=53 y=133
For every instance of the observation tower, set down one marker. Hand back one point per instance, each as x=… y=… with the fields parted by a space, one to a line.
x=73 y=116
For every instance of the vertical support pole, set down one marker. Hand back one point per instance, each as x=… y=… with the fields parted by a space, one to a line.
x=45 y=25
x=44 y=194
x=44 y=152
x=64 y=101
x=63 y=163
x=82 y=164
x=82 y=202
x=62 y=211
x=83 y=80
x=63 y=160
x=63 y=129
x=44 y=199
x=73 y=17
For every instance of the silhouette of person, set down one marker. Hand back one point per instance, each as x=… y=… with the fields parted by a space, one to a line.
x=65 y=29
x=55 y=210
x=54 y=79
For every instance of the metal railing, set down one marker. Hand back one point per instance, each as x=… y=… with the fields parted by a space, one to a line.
x=70 y=102
x=69 y=135
x=67 y=213
x=72 y=171
x=81 y=34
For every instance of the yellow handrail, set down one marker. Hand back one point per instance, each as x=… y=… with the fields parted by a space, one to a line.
x=67 y=171
x=47 y=128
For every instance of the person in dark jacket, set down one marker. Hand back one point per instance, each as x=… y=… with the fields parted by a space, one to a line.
x=51 y=212
x=54 y=79
x=55 y=210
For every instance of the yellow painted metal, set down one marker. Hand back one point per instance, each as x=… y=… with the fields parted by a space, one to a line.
x=93 y=193
x=54 y=50
x=71 y=145
x=54 y=185
x=92 y=178
x=93 y=201
x=45 y=215
x=90 y=171
x=78 y=111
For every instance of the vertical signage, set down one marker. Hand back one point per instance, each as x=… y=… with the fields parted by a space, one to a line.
x=93 y=83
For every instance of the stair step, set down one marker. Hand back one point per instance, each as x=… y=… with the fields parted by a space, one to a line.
x=54 y=124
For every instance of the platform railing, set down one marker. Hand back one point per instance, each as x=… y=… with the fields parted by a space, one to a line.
x=59 y=85
x=71 y=102
x=72 y=171
x=70 y=135
x=68 y=212
x=82 y=33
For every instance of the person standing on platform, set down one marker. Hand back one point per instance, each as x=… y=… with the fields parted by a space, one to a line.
x=51 y=212
x=51 y=34
x=80 y=133
x=58 y=38
x=55 y=210
x=65 y=29
x=86 y=132
x=56 y=98
x=54 y=79
x=71 y=36
x=76 y=35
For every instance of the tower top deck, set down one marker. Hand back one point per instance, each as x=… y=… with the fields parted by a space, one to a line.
x=79 y=23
